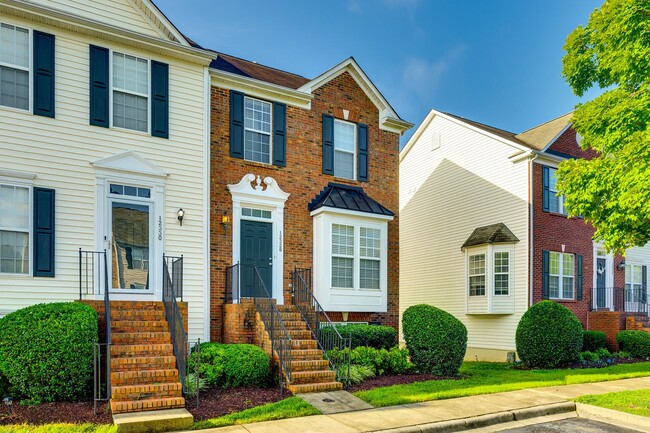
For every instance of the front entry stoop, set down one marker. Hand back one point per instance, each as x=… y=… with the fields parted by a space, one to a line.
x=154 y=421
x=143 y=366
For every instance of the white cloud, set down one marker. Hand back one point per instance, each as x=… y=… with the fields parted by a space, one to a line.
x=424 y=76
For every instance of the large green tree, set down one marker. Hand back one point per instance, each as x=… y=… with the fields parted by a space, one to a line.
x=612 y=191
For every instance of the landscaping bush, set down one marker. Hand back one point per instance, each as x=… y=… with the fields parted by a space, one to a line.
x=379 y=337
x=46 y=351
x=435 y=339
x=382 y=361
x=593 y=340
x=636 y=343
x=231 y=365
x=549 y=335
x=358 y=373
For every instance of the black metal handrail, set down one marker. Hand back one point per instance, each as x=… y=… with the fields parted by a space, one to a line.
x=232 y=283
x=278 y=334
x=620 y=299
x=317 y=319
x=172 y=290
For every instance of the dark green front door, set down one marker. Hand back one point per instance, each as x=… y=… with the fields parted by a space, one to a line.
x=256 y=251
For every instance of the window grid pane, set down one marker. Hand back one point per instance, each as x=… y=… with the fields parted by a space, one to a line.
x=14 y=88
x=369 y=274
x=14 y=252
x=501 y=273
x=561 y=275
x=342 y=272
x=342 y=240
x=556 y=200
x=369 y=240
x=477 y=275
x=130 y=111
x=14 y=207
x=344 y=149
x=14 y=46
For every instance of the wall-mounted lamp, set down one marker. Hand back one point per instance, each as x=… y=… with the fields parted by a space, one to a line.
x=621 y=266
x=181 y=215
x=225 y=222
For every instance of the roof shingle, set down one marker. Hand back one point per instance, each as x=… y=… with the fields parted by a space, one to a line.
x=346 y=197
x=494 y=233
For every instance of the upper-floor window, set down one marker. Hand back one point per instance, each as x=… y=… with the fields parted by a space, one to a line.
x=14 y=229
x=257 y=130
x=130 y=92
x=553 y=200
x=14 y=66
x=561 y=280
x=345 y=146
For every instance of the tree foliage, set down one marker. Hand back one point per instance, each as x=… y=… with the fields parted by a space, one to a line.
x=611 y=191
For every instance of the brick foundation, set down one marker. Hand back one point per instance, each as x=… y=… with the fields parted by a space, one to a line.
x=608 y=322
x=239 y=323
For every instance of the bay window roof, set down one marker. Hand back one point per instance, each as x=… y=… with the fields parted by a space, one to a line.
x=346 y=197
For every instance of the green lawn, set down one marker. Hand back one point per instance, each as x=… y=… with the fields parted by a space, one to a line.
x=634 y=402
x=288 y=408
x=58 y=428
x=486 y=378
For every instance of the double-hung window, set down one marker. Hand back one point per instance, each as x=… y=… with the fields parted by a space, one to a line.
x=345 y=146
x=257 y=130
x=14 y=229
x=502 y=273
x=130 y=92
x=634 y=283
x=370 y=257
x=356 y=257
x=555 y=199
x=561 y=282
x=477 y=275
x=489 y=271
x=14 y=67
x=342 y=256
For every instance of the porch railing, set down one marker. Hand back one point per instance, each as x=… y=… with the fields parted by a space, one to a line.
x=317 y=319
x=93 y=281
x=627 y=300
x=232 y=284
x=172 y=290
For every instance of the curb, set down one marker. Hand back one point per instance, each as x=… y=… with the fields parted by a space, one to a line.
x=615 y=417
x=486 y=420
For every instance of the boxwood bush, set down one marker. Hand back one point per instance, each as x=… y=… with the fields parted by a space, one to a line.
x=593 y=340
x=549 y=335
x=360 y=334
x=46 y=351
x=636 y=343
x=231 y=365
x=380 y=361
x=435 y=339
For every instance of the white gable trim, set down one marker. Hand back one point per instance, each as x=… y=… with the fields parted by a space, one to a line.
x=129 y=162
x=159 y=20
x=388 y=118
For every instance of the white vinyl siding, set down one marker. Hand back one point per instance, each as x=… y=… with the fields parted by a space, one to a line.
x=561 y=276
x=15 y=221
x=14 y=66
x=345 y=147
x=60 y=154
x=257 y=130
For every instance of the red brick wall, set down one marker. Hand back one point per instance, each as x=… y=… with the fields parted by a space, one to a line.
x=609 y=323
x=567 y=144
x=303 y=179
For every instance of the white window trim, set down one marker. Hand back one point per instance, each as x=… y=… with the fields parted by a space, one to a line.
x=484 y=274
x=494 y=272
x=113 y=89
x=561 y=276
x=354 y=153
x=270 y=133
x=490 y=250
x=24 y=183
x=30 y=69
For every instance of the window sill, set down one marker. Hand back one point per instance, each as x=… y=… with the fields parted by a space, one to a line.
x=260 y=164
x=131 y=131
x=17 y=110
x=570 y=301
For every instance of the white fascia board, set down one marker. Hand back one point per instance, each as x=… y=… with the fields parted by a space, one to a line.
x=548 y=158
x=361 y=215
x=521 y=156
x=418 y=132
x=63 y=20
x=260 y=89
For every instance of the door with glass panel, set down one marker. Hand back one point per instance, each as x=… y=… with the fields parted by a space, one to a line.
x=130 y=230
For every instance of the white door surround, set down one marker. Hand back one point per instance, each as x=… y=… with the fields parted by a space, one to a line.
x=601 y=253
x=265 y=195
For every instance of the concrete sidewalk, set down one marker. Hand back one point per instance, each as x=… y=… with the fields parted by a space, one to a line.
x=451 y=415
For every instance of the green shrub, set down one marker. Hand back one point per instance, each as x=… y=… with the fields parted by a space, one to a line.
x=382 y=361
x=636 y=343
x=46 y=351
x=358 y=373
x=549 y=335
x=593 y=340
x=194 y=385
x=588 y=356
x=603 y=353
x=435 y=339
x=231 y=365
x=379 y=337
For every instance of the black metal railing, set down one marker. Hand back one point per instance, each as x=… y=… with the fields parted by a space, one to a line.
x=278 y=334
x=172 y=291
x=623 y=299
x=93 y=281
x=194 y=350
x=317 y=319
x=232 y=284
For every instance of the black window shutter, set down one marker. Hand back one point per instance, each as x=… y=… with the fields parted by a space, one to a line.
x=545 y=274
x=43 y=232
x=159 y=99
x=279 y=134
x=328 y=144
x=545 y=185
x=362 y=158
x=43 y=74
x=579 y=279
x=644 y=284
x=236 y=124
x=99 y=91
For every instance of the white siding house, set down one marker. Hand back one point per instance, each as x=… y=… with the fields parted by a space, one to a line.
x=131 y=174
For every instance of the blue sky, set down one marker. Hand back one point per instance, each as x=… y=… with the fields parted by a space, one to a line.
x=493 y=61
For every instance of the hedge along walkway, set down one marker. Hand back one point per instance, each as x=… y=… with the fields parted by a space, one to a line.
x=487 y=378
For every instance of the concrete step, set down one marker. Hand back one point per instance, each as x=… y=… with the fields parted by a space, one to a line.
x=143 y=376
x=143 y=363
x=306 y=354
x=317 y=376
x=144 y=391
x=154 y=421
x=139 y=326
x=314 y=387
x=141 y=338
x=147 y=404
x=309 y=365
x=127 y=350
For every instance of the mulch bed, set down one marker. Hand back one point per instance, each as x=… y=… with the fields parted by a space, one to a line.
x=395 y=379
x=58 y=412
x=216 y=402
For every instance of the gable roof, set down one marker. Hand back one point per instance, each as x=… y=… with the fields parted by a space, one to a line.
x=540 y=136
x=246 y=68
x=346 y=197
x=149 y=8
x=511 y=136
x=494 y=233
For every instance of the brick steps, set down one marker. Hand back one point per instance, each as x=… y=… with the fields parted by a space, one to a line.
x=142 y=350
x=318 y=376
x=314 y=387
x=144 y=391
x=304 y=344
x=309 y=365
x=139 y=326
x=143 y=363
x=306 y=354
x=143 y=377
x=147 y=404
x=120 y=338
